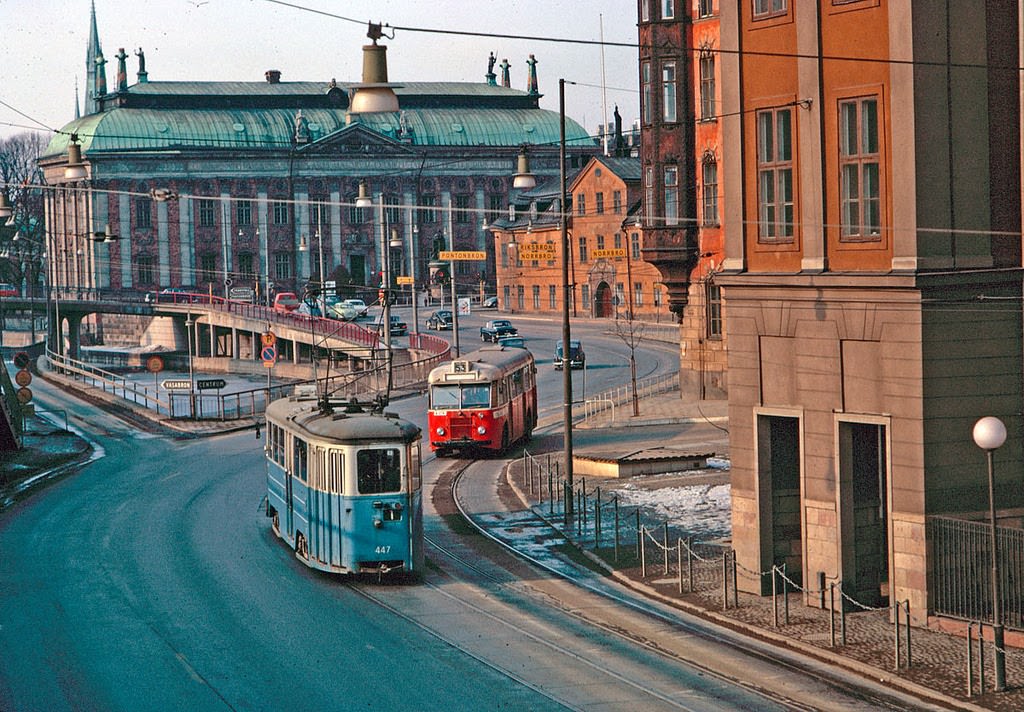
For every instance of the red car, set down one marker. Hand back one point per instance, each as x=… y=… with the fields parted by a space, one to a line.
x=286 y=302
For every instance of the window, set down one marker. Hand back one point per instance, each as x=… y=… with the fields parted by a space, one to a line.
x=581 y=204
x=618 y=241
x=585 y=295
x=208 y=267
x=709 y=183
x=207 y=213
x=319 y=214
x=427 y=212
x=583 y=249
x=520 y=296
x=536 y=296
x=392 y=213
x=638 y=294
x=495 y=207
x=672 y=196
x=858 y=165
x=713 y=296
x=243 y=212
x=668 y=10
x=506 y=293
x=599 y=203
x=775 y=175
x=657 y=296
x=645 y=92
x=769 y=8
x=300 y=459
x=645 y=10
x=668 y=91
x=707 y=85
x=706 y=8
x=280 y=213
x=620 y=294
x=649 y=193
x=282 y=265
x=379 y=471
x=617 y=202
x=462 y=214
x=245 y=270
x=552 y=297
x=634 y=245
x=143 y=213
x=145 y=264
x=355 y=215
x=599 y=242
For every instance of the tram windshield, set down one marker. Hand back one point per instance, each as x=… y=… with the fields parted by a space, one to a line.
x=460 y=396
x=379 y=470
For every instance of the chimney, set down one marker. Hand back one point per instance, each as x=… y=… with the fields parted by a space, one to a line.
x=273 y=76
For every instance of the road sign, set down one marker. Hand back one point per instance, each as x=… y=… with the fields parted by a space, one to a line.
x=403 y=279
x=21 y=359
x=176 y=385
x=205 y=383
x=24 y=395
x=269 y=355
x=154 y=364
x=268 y=338
x=462 y=255
x=608 y=254
x=23 y=377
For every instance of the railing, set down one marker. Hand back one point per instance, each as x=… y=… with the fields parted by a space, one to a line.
x=645 y=387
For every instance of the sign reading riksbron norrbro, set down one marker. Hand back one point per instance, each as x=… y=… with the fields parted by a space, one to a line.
x=537 y=251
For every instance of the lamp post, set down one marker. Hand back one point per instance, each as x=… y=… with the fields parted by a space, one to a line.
x=989 y=435
x=563 y=227
x=189 y=324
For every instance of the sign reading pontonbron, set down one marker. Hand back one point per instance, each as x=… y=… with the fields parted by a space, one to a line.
x=457 y=255
x=173 y=385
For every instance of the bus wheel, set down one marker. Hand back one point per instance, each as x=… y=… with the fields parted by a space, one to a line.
x=276 y=523
x=504 y=439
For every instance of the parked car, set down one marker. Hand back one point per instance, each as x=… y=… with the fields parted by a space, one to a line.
x=286 y=302
x=496 y=328
x=577 y=358
x=358 y=304
x=173 y=295
x=8 y=290
x=513 y=341
x=440 y=320
x=398 y=327
x=490 y=303
x=343 y=311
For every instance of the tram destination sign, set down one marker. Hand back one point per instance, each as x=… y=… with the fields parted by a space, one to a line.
x=176 y=385
x=207 y=383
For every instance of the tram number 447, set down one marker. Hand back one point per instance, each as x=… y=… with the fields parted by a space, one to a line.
x=382 y=550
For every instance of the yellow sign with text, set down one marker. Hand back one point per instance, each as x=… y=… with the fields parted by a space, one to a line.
x=455 y=255
x=608 y=254
x=403 y=279
x=537 y=251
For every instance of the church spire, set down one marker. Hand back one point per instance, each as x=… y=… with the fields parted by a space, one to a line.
x=95 y=66
x=78 y=114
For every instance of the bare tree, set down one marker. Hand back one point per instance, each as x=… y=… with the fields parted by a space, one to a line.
x=22 y=236
x=631 y=332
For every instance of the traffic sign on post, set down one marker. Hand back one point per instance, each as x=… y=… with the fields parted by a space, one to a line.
x=462 y=255
x=205 y=383
x=269 y=355
x=22 y=359
x=176 y=385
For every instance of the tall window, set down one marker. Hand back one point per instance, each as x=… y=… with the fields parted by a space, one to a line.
x=618 y=240
x=552 y=297
x=208 y=267
x=506 y=293
x=668 y=91
x=775 y=174
x=638 y=294
x=319 y=214
x=244 y=265
x=617 y=202
x=657 y=296
x=496 y=205
x=634 y=245
x=645 y=10
x=707 y=85
x=672 y=196
x=392 y=211
x=207 y=213
x=282 y=265
x=599 y=242
x=143 y=213
x=583 y=249
x=707 y=8
x=585 y=295
x=668 y=10
x=462 y=214
x=427 y=212
x=280 y=213
x=599 y=203
x=243 y=212
x=536 y=296
x=713 y=297
x=649 y=193
x=145 y=265
x=645 y=92
x=620 y=294
x=581 y=204
x=858 y=164
x=355 y=215
x=769 y=8
x=520 y=296
x=709 y=183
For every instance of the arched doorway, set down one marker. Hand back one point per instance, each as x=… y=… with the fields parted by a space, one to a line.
x=603 y=308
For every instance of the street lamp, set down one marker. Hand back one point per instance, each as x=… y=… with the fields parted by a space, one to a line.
x=563 y=227
x=189 y=324
x=989 y=435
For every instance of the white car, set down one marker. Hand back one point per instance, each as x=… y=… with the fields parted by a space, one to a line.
x=358 y=304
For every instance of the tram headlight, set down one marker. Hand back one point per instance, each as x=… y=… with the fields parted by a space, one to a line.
x=481 y=430
x=439 y=431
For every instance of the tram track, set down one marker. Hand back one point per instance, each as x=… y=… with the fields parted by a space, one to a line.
x=868 y=699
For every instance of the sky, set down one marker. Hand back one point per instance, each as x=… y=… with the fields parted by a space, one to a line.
x=44 y=46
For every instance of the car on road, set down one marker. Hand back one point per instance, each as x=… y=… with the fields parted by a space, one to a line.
x=496 y=328
x=576 y=357
x=343 y=311
x=398 y=327
x=440 y=320
x=179 y=295
x=490 y=303
x=358 y=304
x=286 y=302
x=513 y=341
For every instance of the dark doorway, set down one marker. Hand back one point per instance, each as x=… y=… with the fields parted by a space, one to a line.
x=357 y=269
x=865 y=515
x=603 y=308
x=779 y=468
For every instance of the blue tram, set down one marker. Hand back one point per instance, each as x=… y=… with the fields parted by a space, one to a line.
x=344 y=485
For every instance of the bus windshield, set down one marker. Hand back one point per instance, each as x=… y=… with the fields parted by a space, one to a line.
x=460 y=396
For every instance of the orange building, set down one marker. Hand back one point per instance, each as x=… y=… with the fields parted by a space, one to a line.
x=872 y=278
x=609 y=276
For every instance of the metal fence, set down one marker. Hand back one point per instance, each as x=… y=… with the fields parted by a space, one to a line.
x=645 y=387
x=961 y=580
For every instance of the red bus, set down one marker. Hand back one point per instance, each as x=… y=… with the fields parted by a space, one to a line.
x=485 y=400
